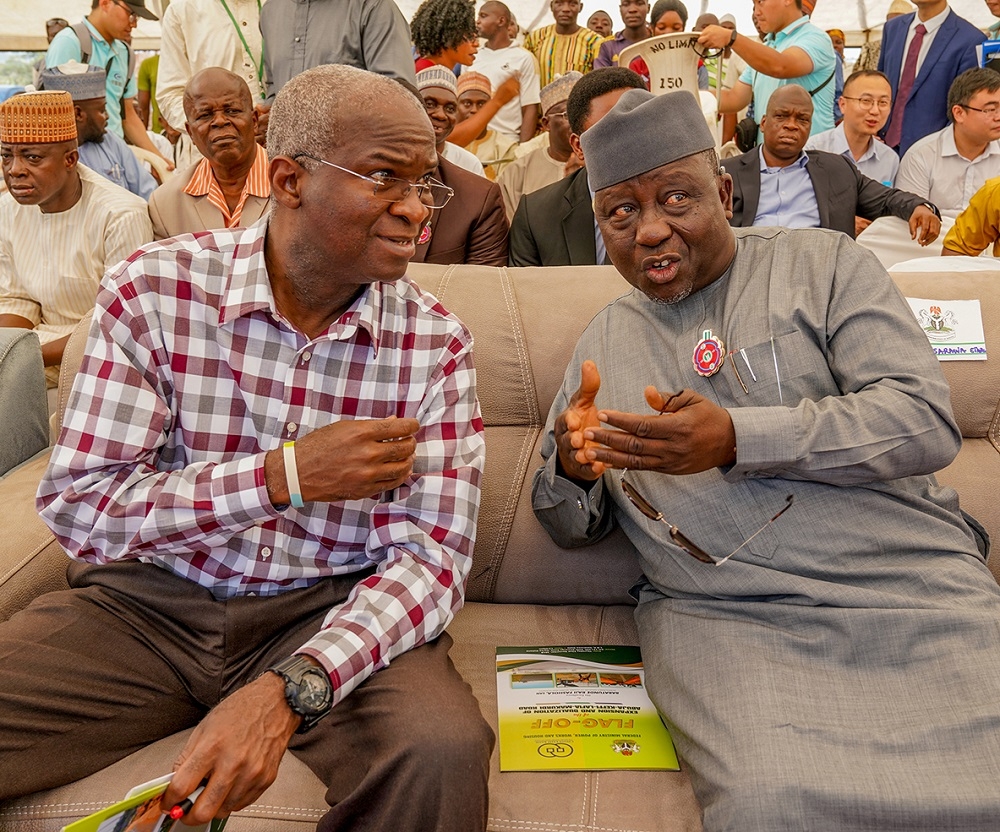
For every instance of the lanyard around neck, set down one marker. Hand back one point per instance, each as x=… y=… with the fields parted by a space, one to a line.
x=257 y=64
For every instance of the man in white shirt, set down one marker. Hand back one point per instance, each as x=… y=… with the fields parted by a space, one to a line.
x=865 y=104
x=61 y=225
x=949 y=166
x=499 y=60
x=546 y=164
x=197 y=34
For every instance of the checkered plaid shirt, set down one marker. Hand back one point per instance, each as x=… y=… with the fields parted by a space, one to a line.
x=191 y=375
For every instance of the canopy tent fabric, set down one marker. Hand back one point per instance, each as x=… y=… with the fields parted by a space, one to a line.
x=862 y=20
x=22 y=22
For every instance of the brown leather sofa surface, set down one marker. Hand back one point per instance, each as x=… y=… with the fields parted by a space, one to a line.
x=522 y=589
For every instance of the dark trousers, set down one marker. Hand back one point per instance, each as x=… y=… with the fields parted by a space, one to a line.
x=132 y=653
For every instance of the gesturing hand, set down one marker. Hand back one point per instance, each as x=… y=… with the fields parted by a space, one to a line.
x=571 y=423
x=347 y=460
x=687 y=434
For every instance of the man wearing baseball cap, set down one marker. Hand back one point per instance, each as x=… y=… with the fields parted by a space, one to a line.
x=61 y=225
x=101 y=39
x=821 y=662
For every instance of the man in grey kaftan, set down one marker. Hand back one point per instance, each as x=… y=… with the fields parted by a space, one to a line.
x=841 y=671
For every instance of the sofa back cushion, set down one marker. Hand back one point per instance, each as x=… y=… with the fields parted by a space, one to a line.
x=526 y=323
x=975 y=385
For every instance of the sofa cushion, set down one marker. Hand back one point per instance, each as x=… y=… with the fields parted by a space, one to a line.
x=636 y=801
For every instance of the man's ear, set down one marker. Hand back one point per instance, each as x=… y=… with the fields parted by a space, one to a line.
x=726 y=194
x=80 y=117
x=574 y=142
x=71 y=158
x=286 y=181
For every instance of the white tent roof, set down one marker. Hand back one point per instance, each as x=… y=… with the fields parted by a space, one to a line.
x=860 y=17
x=22 y=22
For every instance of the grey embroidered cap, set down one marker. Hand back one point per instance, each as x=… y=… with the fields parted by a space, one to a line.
x=81 y=81
x=642 y=132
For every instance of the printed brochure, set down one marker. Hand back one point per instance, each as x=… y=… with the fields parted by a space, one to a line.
x=581 y=708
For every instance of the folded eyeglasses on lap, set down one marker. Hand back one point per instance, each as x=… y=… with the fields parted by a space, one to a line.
x=431 y=193
x=677 y=536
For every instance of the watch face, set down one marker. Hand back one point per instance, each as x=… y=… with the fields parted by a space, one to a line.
x=314 y=691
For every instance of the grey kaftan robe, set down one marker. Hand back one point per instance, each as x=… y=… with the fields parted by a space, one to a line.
x=843 y=670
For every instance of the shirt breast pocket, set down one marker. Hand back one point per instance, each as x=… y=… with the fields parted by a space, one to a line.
x=782 y=370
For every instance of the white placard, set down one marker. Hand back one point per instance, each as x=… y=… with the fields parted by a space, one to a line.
x=954 y=327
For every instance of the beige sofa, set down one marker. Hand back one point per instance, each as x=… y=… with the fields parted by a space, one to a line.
x=523 y=589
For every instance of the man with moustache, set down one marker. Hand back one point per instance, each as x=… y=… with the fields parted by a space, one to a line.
x=267 y=483
x=62 y=226
x=99 y=150
x=772 y=394
x=229 y=187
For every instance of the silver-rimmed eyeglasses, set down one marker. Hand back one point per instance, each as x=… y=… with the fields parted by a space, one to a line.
x=678 y=537
x=431 y=193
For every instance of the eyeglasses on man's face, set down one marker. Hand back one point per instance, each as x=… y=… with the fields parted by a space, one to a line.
x=866 y=102
x=431 y=193
x=678 y=537
x=990 y=110
x=132 y=16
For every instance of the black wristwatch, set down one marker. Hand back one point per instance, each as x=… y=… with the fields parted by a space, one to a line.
x=932 y=208
x=307 y=689
x=732 y=38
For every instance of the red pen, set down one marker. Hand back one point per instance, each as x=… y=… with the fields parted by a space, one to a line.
x=181 y=809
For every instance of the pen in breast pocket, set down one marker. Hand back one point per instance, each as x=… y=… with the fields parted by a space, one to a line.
x=739 y=378
x=753 y=375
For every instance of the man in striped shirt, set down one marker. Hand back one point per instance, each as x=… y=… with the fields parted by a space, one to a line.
x=565 y=45
x=62 y=226
x=229 y=187
x=268 y=481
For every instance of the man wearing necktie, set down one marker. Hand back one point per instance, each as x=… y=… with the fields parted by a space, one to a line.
x=922 y=53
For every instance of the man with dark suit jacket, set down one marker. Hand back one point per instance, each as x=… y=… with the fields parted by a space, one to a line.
x=942 y=51
x=778 y=184
x=554 y=226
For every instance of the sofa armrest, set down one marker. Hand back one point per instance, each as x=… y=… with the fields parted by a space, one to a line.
x=24 y=410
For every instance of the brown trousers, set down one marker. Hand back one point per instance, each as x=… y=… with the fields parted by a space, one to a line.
x=132 y=653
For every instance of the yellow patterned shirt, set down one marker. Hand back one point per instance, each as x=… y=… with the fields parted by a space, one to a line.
x=559 y=54
x=978 y=226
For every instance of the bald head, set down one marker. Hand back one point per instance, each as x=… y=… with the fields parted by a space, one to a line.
x=787 y=125
x=221 y=121
x=215 y=80
x=789 y=95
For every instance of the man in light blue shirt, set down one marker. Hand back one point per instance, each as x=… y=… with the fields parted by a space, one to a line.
x=797 y=52
x=109 y=25
x=101 y=151
x=866 y=103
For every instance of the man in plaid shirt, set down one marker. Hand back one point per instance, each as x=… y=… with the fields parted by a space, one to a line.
x=267 y=481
